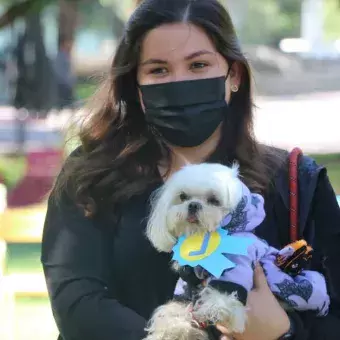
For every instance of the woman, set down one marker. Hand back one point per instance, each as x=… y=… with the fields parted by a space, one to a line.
x=178 y=91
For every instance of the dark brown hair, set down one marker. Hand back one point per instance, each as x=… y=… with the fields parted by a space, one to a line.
x=119 y=154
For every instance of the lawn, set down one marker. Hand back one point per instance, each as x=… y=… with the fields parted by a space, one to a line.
x=33 y=320
x=85 y=90
x=32 y=317
x=12 y=169
x=332 y=163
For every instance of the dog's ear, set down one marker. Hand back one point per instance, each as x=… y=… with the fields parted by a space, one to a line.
x=157 y=230
x=235 y=169
x=235 y=193
x=233 y=187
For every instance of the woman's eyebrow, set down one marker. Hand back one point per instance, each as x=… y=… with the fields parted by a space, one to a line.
x=153 y=61
x=198 y=54
x=188 y=57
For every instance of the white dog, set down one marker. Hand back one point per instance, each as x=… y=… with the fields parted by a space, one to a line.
x=201 y=199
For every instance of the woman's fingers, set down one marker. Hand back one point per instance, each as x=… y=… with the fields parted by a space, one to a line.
x=260 y=280
x=222 y=329
x=226 y=334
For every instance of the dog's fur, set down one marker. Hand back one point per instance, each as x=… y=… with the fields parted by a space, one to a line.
x=212 y=191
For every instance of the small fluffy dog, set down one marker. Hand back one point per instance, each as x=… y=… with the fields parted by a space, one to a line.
x=200 y=199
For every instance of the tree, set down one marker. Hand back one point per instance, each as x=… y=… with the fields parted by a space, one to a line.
x=332 y=20
x=68 y=18
x=21 y=9
x=35 y=88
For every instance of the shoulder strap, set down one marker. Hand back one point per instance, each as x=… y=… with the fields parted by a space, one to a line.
x=302 y=181
x=294 y=156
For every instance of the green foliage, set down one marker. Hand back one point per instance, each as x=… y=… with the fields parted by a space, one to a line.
x=122 y=8
x=269 y=21
x=332 y=19
x=12 y=169
x=21 y=9
x=85 y=90
x=264 y=23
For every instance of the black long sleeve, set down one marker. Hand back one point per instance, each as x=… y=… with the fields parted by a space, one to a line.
x=323 y=232
x=327 y=235
x=75 y=257
x=326 y=216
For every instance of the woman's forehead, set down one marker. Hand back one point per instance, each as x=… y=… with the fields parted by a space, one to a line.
x=179 y=40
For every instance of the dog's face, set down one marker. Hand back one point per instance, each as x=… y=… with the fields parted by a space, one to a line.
x=194 y=210
x=193 y=200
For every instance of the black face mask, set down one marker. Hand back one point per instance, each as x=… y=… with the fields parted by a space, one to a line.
x=185 y=113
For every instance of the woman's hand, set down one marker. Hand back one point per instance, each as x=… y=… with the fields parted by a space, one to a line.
x=267 y=320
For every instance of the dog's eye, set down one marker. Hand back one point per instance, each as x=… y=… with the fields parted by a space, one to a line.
x=183 y=197
x=213 y=201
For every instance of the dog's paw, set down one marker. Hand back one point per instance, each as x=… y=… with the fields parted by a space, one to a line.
x=173 y=321
x=221 y=308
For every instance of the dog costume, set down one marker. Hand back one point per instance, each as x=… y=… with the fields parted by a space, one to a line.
x=302 y=290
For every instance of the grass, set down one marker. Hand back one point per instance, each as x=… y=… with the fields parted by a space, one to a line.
x=23 y=258
x=85 y=90
x=34 y=320
x=12 y=169
x=31 y=317
x=332 y=163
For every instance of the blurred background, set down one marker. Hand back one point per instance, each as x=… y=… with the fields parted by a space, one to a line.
x=52 y=55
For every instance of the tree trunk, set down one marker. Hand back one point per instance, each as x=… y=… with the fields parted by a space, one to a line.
x=68 y=19
x=117 y=25
x=35 y=84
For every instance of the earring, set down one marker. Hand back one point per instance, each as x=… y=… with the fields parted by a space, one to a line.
x=234 y=88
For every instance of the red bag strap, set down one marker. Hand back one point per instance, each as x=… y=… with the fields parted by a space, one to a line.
x=294 y=194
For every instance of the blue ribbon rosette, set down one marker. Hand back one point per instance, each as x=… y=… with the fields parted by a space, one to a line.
x=210 y=250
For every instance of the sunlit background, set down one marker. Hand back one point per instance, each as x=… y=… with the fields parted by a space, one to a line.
x=294 y=49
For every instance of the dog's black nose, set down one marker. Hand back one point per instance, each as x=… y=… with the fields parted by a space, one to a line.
x=194 y=207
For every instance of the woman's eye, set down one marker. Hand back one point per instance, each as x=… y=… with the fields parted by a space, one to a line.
x=198 y=65
x=159 y=70
x=214 y=201
x=183 y=197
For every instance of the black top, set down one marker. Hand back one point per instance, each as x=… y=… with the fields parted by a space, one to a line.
x=105 y=280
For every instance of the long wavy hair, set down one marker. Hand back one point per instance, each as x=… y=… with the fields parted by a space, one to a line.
x=119 y=154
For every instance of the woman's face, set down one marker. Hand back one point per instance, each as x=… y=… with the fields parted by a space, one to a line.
x=181 y=51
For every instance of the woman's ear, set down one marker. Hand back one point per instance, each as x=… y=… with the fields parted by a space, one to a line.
x=233 y=81
x=236 y=74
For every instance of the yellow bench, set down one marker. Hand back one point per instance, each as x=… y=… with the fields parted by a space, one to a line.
x=24 y=225
x=18 y=226
x=3 y=251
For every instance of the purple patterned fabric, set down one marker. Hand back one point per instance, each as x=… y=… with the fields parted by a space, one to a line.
x=306 y=291
x=248 y=214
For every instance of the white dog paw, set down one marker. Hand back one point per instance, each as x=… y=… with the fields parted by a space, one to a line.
x=173 y=321
x=221 y=308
